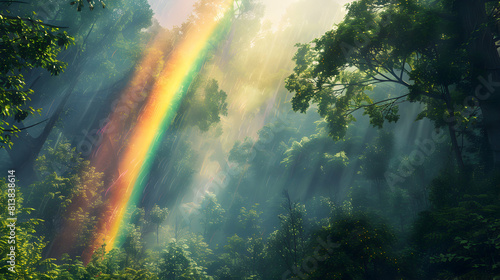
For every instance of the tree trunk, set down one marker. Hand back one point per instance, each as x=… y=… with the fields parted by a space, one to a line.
x=451 y=130
x=485 y=62
x=26 y=148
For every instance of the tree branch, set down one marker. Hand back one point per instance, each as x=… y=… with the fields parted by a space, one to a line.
x=402 y=70
x=373 y=104
x=19 y=129
x=431 y=95
x=88 y=34
x=32 y=21
x=15 y=90
x=373 y=68
x=364 y=83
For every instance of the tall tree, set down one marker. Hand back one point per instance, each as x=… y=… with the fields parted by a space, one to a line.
x=438 y=52
x=176 y=263
x=288 y=242
x=212 y=215
x=158 y=216
x=27 y=43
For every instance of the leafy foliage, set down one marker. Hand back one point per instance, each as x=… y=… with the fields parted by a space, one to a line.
x=378 y=43
x=289 y=242
x=242 y=231
x=157 y=217
x=212 y=215
x=461 y=234
x=202 y=109
x=376 y=157
x=353 y=246
x=176 y=264
x=66 y=195
x=91 y=3
x=27 y=43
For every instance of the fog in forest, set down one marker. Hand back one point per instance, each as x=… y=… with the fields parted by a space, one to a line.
x=304 y=139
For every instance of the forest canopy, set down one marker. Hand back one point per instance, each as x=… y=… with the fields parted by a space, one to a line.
x=440 y=53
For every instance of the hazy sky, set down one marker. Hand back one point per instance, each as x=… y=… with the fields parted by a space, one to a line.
x=173 y=12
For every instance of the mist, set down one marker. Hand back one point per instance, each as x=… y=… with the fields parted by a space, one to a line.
x=214 y=139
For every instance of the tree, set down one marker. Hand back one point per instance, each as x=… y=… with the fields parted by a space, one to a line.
x=215 y=105
x=312 y=150
x=242 y=258
x=198 y=248
x=137 y=217
x=459 y=236
x=249 y=221
x=352 y=246
x=26 y=244
x=79 y=4
x=27 y=43
x=66 y=197
x=241 y=151
x=288 y=243
x=375 y=159
x=316 y=162
x=132 y=244
x=158 y=216
x=202 y=108
x=212 y=215
x=433 y=50
x=176 y=264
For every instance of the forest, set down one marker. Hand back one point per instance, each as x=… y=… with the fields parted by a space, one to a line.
x=250 y=139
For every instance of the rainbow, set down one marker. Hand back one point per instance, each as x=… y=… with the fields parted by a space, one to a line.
x=142 y=136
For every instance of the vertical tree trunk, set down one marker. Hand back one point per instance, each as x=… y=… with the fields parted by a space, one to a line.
x=451 y=130
x=486 y=66
x=26 y=148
